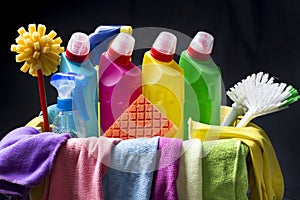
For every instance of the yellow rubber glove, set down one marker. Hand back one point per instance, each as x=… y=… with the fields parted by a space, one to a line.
x=265 y=177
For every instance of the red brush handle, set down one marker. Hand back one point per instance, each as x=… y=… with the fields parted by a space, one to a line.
x=43 y=99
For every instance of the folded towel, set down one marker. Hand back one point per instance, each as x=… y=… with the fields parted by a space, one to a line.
x=167 y=169
x=189 y=182
x=79 y=168
x=224 y=169
x=130 y=172
x=265 y=177
x=26 y=157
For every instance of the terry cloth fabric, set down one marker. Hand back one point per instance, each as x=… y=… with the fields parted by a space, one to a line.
x=265 y=177
x=167 y=169
x=79 y=168
x=224 y=169
x=130 y=173
x=26 y=157
x=189 y=182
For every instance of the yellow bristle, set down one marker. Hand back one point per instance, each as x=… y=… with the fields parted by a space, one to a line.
x=32 y=71
x=28 y=51
x=36 y=55
x=61 y=49
x=45 y=40
x=53 y=55
x=28 y=42
x=46 y=50
x=21 y=31
x=20 y=40
x=26 y=35
x=22 y=57
x=57 y=40
x=36 y=46
x=51 y=67
x=25 y=67
x=31 y=28
x=35 y=37
x=54 y=69
x=44 y=69
x=48 y=60
x=14 y=48
x=21 y=48
x=52 y=34
x=55 y=47
x=35 y=65
x=41 y=29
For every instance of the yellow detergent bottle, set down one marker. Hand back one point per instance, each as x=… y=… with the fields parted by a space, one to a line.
x=163 y=79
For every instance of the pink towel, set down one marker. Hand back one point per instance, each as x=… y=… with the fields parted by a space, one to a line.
x=79 y=168
x=165 y=177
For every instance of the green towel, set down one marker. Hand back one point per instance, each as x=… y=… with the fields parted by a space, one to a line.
x=224 y=170
x=189 y=182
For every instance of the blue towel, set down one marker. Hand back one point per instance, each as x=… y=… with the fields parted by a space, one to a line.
x=130 y=174
x=26 y=157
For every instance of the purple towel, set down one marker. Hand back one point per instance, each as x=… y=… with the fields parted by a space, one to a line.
x=26 y=157
x=165 y=177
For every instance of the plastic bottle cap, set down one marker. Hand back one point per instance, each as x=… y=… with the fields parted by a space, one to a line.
x=202 y=43
x=126 y=29
x=121 y=48
x=123 y=44
x=78 y=47
x=64 y=104
x=164 y=46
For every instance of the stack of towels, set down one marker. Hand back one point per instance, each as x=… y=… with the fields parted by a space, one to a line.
x=51 y=166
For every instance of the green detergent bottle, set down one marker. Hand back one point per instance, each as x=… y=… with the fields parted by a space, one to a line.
x=203 y=93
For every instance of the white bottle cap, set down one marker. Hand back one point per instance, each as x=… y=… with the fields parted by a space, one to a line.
x=202 y=43
x=165 y=43
x=123 y=44
x=79 y=44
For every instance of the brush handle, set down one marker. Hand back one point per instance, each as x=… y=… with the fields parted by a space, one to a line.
x=246 y=119
x=233 y=115
x=251 y=114
x=43 y=100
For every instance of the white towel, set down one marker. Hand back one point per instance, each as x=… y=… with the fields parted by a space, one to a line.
x=189 y=182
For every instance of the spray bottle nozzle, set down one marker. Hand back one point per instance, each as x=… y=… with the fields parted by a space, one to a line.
x=70 y=86
x=64 y=84
x=106 y=31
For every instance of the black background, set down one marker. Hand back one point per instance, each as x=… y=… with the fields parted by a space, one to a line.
x=250 y=36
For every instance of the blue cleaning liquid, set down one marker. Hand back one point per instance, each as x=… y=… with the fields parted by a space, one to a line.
x=75 y=60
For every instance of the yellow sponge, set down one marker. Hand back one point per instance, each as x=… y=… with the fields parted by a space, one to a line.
x=37 y=50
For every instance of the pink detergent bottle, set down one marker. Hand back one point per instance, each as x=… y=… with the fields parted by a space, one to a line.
x=120 y=80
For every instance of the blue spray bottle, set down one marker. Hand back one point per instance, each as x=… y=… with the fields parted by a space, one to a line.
x=75 y=59
x=70 y=104
x=99 y=41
